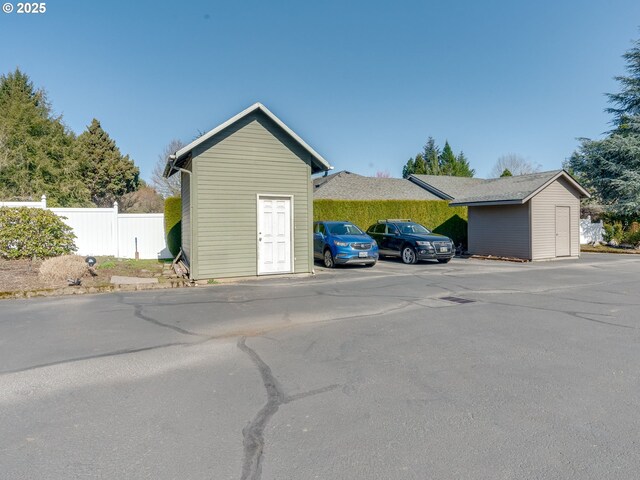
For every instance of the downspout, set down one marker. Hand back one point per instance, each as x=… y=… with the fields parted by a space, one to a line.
x=173 y=159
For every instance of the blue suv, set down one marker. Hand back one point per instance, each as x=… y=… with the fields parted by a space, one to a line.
x=338 y=243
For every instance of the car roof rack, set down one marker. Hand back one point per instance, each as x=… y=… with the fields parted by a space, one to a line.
x=394 y=220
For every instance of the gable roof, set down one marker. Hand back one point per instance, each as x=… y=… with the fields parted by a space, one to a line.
x=514 y=190
x=178 y=158
x=350 y=186
x=445 y=186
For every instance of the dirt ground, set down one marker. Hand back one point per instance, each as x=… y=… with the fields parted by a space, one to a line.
x=22 y=275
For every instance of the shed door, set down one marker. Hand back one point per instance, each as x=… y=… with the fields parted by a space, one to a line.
x=274 y=235
x=563 y=229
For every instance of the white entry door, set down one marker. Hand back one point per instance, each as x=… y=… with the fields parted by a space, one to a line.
x=563 y=231
x=274 y=235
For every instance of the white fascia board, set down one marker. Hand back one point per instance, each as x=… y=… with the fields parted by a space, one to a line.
x=462 y=203
x=256 y=106
x=567 y=177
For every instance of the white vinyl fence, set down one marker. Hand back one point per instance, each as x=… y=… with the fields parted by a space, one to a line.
x=104 y=231
x=591 y=232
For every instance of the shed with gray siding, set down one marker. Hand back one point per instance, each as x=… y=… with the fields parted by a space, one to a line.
x=534 y=216
x=247 y=198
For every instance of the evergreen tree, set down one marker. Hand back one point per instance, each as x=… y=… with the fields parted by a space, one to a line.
x=506 y=173
x=108 y=174
x=431 y=155
x=627 y=101
x=462 y=168
x=433 y=162
x=408 y=169
x=35 y=147
x=447 y=160
x=610 y=168
x=420 y=166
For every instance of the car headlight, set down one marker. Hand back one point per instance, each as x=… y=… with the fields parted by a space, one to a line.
x=340 y=244
x=423 y=243
x=374 y=243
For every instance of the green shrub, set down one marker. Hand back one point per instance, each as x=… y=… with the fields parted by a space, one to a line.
x=33 y=232
x=613 y=232
x=436 y=215
x=631 y=237
x=173 y=224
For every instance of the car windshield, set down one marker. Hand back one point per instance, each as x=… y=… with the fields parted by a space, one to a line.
x=344 y=229
x=409 y=228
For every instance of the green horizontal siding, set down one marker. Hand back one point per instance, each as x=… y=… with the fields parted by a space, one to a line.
x=253 y=157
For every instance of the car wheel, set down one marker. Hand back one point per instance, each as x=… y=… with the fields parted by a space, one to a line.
x=444 y=260
x=328 y=259
x=409 y=255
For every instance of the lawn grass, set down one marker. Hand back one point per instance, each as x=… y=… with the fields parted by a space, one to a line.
x=130 y=263
x=608 y=249
x=129 y=267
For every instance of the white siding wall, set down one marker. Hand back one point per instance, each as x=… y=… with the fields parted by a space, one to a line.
x=501 y=230
x=543 y=219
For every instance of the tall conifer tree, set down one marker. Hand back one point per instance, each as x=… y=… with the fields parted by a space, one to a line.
x=108 y=173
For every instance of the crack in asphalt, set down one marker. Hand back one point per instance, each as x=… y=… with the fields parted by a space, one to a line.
x=124 y=351
x=575 y=314
x=138 y=312
x=253 y=433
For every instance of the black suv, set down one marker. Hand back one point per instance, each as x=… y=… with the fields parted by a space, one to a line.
x=410 y=241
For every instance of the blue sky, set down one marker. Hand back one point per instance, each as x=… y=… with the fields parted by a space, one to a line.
x=364 y=83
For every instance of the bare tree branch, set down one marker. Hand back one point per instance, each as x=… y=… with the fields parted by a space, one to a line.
x=167 y=187
x=515 y=163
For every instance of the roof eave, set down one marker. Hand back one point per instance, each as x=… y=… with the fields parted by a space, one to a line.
x=430 y=188
x=567 y=176
x=490 y=203
x=321 y=163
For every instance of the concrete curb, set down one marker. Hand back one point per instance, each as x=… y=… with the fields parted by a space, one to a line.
x=80 y=290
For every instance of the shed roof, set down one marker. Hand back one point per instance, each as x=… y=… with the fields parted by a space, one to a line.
x=350 y=186
x=518 y=189
x=179 y=158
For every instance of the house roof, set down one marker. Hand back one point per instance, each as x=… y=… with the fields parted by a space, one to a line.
x=350 y=186
x=445 y=186
x=179 y=158
x=321 y=180
x=513 y=190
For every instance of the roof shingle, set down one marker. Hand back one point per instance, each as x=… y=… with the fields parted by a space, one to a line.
x=356 y=187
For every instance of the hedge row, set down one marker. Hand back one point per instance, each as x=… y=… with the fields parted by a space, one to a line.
x=173 y=224
x=436 y=215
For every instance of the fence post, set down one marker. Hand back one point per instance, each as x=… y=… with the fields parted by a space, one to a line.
x=116 y=235
x=43 y=201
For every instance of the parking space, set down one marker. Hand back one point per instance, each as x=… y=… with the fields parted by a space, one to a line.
x=473 y=369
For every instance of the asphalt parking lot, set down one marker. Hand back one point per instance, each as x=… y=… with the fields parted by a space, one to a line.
x=469 y=370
